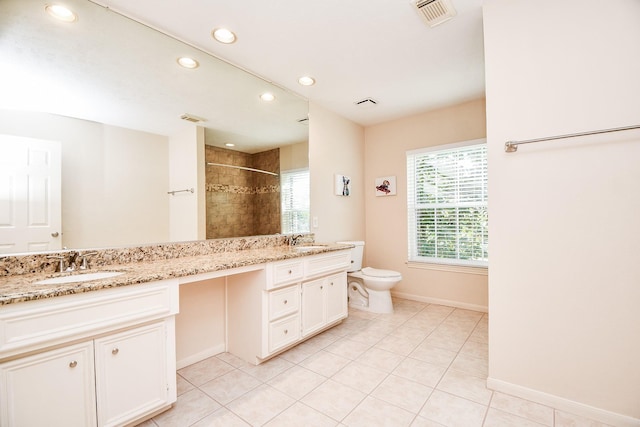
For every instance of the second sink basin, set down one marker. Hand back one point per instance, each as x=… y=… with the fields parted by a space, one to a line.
x=79 y=278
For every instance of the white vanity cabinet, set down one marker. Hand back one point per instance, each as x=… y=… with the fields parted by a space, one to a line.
x=268 y=311
x=324 y=301
x=103 y=358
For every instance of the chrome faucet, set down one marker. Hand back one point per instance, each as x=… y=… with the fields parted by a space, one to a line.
x=84 y=257
x=293 y=240
x=60 y=258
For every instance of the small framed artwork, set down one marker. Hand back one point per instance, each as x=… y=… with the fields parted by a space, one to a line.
x=386 y=186
x=342 y=185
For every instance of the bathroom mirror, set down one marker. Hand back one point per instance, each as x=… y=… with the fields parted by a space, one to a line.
x=128 y=118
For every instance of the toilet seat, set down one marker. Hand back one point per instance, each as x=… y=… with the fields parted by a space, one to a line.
x=380 y=273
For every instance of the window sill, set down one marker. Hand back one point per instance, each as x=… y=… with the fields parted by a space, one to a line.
x=482 y=271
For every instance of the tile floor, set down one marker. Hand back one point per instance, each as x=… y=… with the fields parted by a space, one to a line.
x=424 y=365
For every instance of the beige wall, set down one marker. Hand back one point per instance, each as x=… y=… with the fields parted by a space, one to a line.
x=114 y=180
x=294 y=156
x=564 y=281
x=336 y=146
x=386 y=231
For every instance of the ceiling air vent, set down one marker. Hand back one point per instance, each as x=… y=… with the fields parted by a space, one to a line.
x=191 y=118
x=434 y=12
x=368 y=102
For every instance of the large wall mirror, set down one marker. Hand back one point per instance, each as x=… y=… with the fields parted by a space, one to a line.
x=105 y=100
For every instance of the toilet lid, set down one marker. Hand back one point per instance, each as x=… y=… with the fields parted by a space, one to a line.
x=375 y=272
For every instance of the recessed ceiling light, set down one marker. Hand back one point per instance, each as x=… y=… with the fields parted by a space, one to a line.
x=267 y=97
x=223 y=35
x=306 y=81
x=61 y=13
x=229 y=144
x=187 y=62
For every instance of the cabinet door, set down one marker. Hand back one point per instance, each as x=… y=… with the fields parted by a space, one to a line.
x=131 y=374
x=54 y=388
x=313 y=313
x=336 y=297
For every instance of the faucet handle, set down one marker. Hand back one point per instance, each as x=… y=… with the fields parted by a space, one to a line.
x=60 y=258
x=84 y=257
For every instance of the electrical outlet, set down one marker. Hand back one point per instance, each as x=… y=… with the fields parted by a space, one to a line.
x=315 y=222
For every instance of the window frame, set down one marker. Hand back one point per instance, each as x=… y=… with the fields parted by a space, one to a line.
x=418 y=261
x=282 y=202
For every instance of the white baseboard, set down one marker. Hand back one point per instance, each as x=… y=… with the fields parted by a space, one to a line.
x=194 y=358
x=565 y=405
x=450 y=303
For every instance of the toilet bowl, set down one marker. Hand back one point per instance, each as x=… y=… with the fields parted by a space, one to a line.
x=369 y=288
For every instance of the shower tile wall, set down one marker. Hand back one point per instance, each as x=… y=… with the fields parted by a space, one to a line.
x=239 y=202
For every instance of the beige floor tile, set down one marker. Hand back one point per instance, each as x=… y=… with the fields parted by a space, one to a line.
x=183 y=385
x=297 y=381
x=190 y=408
x=398 y=345
x=466 y=386
x=333 y=399
x=360 y=377
x=377 y=413
x=479 y=335
x=348 y=348
x=404 y=393
x=470 y=365
x=231 y=359
x=230 y=386
x=204 y=371
x=438 y=356
x=325 y=363
x=267 y=370
x=475 y=349
x=299 y=415
x=260 y=405
x=367 y=336
x=523 y=408
x=422 y=372
x=423 y=422
x=445 y=341
x=382 y=360
x=498 y=418
x=414 y=334
x=453 y=411
x=565 y=419
x=221 y=418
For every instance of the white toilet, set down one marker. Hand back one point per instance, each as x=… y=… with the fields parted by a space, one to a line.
x=369 y=288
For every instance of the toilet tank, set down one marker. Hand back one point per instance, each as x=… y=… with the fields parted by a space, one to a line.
x=356 y=254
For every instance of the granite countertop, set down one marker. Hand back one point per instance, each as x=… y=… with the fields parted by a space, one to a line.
x=19 y=288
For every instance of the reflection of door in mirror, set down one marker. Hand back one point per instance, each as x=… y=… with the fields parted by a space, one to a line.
x=30 y=190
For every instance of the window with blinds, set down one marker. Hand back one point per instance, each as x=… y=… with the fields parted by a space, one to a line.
x=447 y=204
x=294 y=194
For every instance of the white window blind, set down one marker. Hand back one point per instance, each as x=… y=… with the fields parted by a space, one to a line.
x=447 y=205
x=294 y=193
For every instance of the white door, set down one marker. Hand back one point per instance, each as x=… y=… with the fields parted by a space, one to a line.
x=54 y=388
x=313 y=306
x=336 y=295
x=131 y=374
x=30 y=195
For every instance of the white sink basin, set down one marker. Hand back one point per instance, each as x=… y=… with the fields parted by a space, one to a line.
x=79 y=278
x=309 y=247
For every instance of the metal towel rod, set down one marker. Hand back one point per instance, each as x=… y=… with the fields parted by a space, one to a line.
x=512 y=146
x=188 y=190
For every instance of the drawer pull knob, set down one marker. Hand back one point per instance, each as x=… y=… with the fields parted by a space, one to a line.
x=286 y=331
x=331 y=283
x=290 y=271
x=73 y=364
x=115 y=351
x=285 y=301
x=321 y=287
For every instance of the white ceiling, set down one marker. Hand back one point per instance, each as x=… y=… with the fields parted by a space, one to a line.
x=355 y=49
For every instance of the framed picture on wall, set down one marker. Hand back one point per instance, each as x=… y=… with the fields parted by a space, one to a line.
x=386 y=186
x=342 y=185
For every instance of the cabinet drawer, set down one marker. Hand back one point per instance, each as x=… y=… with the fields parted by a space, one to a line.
x=286 y=272
x=327 y=263
x=36 y=324
x=283 y=302
x=284 y=332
